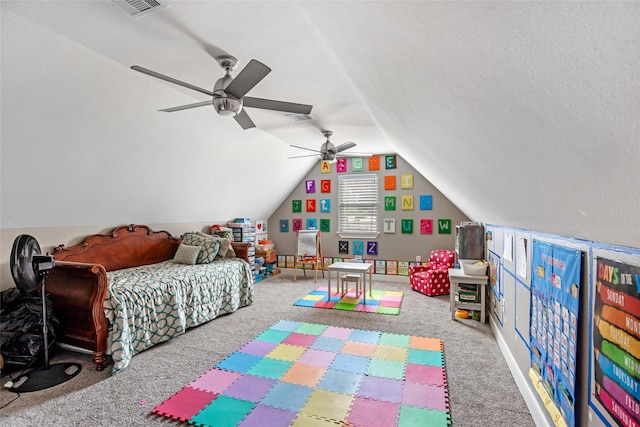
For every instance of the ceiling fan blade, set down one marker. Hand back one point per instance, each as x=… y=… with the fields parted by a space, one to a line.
x=247 y=78
x=304 y=148
x=306 y=155
x=170 y=79
x=270 y=104
x=244 y=120
x=345 y=146
x=188 y=106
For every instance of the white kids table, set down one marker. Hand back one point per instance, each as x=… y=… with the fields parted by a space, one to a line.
x=361 y=268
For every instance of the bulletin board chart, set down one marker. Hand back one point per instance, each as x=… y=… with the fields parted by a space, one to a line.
x=555 y=300
x=615 y=358
x=495 y=282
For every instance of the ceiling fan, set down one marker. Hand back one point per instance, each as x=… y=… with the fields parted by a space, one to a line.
x=329 y=152
x=228 y=95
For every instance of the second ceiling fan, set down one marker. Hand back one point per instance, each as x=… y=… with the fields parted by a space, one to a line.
x=228 y=95
x=330 y=152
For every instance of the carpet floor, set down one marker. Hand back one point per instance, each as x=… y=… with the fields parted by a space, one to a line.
x=482 y=391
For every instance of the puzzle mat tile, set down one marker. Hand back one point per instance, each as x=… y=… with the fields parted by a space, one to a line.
x=381 y=302
x=307 y=374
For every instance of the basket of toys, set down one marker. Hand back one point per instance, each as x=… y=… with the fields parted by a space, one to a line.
x=472 y=267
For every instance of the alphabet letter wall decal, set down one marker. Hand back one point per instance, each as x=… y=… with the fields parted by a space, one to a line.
x=389 y=225
x=389 y=203
x=426 y=202
x=372 y=247
x=325 y=205
x=311 y=205
x=406 y=180
x=426 y=226
x=407 y=203
x=390 y=182
x=444 y=226
x=310 y=186
x=325 y=167
x=407 y=226
x=374 y=163
x=390 y=161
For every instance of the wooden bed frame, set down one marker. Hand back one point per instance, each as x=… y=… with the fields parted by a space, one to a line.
x=78 y=283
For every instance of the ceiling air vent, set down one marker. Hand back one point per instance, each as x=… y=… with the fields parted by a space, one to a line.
x=300 y=117
x=139 y=8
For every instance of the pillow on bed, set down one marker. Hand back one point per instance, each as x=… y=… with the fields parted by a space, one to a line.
x=225 y=233
x=208 y=247
x=224 y=245
x=225 y=251
x=231 y=253
x=186 y=254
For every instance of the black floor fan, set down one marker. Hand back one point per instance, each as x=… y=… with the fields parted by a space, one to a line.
x=29 y=269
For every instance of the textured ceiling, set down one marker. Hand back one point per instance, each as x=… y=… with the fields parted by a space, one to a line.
x=524 y=114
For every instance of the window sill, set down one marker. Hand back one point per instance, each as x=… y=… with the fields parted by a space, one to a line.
x=358 y=235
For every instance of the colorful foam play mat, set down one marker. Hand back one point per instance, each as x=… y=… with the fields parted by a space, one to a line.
x=305 y=374
x=384 y=302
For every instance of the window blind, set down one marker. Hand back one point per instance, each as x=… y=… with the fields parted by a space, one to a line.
x=358 y=204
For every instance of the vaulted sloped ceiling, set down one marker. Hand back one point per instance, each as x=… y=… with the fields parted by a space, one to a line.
x=524 y=114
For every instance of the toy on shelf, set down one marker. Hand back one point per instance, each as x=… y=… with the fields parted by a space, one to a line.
x=462 y=314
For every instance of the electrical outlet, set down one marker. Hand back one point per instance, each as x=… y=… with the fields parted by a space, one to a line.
x=418 y=258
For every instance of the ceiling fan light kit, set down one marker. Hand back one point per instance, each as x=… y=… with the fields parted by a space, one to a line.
x=228 y=95
x=226 y=105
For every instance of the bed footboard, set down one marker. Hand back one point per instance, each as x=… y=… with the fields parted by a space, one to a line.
x=77 y=291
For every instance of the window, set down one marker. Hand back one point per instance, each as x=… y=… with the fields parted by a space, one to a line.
x=358 y=205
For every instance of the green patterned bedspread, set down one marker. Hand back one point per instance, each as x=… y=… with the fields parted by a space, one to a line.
x=150 y=304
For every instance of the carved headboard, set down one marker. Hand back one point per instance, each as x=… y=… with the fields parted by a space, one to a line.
x=126 y=246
